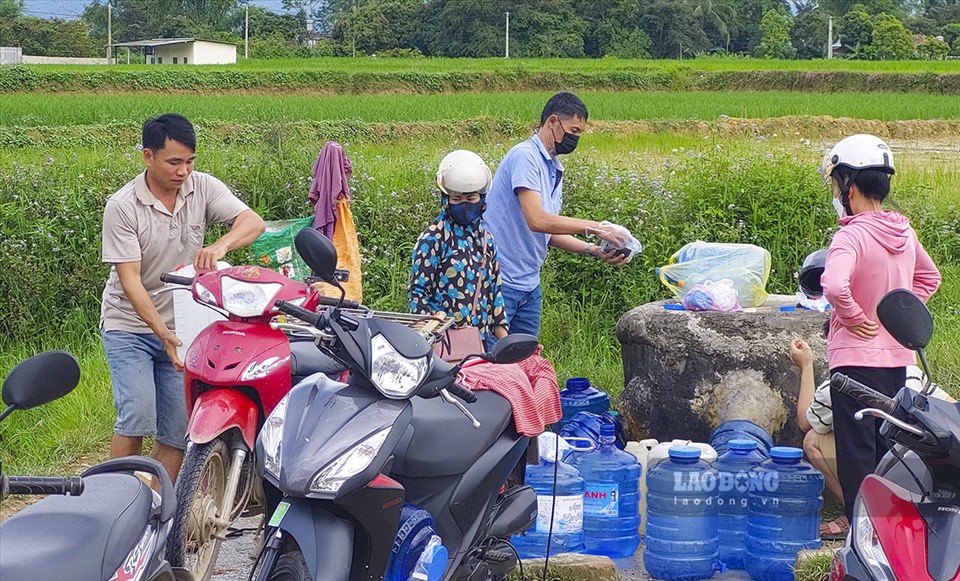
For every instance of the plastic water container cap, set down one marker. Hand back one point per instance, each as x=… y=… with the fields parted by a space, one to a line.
x=580 y=444
x=577 y=384
x=786 y=453
x=684 y=452
x=743 y=445
x=608 y=430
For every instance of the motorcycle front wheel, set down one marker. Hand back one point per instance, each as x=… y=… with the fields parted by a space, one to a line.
x=291 y=566
x=201 y=485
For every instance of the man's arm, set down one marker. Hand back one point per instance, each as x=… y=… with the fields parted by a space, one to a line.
x=246 y=228
x=572 y=244
x=539 y=220
x=130 y=281
x=802 y=356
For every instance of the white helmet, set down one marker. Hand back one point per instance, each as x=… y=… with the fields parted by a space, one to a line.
x=858 y=152
x=463 y=172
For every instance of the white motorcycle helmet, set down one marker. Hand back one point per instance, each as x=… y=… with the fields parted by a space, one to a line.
x=463 y=172
x=858 y=152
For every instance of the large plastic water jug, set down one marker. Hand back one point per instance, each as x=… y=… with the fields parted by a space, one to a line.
x=661 y=451
x=416 y=548
x=681 y=541
x=579 y=395
x=611 y=503
x=641 y=450
x=587 y=425
x=733 y=468
x=740 y=430
x=559 y=508
x=783 y=514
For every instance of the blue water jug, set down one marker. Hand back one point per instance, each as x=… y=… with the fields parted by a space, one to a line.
x=578 y=447
x=783 y=514
x=566 y=507
x=740 y=430
x=578 y=395
x=681 y=541
x=587 y=425
x=611 y=503
x=416 y=547
x=733 y=472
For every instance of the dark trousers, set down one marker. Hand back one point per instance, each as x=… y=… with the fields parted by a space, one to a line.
x=859 y=445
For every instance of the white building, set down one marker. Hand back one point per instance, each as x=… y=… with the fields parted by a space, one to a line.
x=183 y=51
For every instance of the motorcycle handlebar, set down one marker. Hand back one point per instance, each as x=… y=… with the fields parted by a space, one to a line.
x=176 y=279
x=299 y=312
x=332 y=302
x=862 y=393
x=72 y=486
x=462 y=392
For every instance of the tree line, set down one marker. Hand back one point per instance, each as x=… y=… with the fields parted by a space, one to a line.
x=863 y=29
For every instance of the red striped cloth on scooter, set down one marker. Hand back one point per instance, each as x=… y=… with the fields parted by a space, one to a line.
x=530 y=386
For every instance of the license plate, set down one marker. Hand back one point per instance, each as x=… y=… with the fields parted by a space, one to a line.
x=279 y=514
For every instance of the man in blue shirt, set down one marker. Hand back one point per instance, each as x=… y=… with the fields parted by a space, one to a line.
x=523 y=211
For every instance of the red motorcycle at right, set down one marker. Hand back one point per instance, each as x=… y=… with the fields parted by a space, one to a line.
x=906 y=519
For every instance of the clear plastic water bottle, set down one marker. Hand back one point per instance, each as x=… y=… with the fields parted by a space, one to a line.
x=559 y=489
x=733 y=468
x=579 y=395
x=611 y=503
x=783 y=514
x=587 y=425
x=681 y=541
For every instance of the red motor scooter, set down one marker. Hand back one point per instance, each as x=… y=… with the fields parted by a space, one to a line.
x=235 y=373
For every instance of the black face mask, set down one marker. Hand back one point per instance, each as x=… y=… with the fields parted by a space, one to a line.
x=568 y=143
x=466 y=213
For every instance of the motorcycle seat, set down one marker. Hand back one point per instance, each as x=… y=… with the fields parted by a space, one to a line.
x=306 y=359
x=435 y=421
x=77 y=537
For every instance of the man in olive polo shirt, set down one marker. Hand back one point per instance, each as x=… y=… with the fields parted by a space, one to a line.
x=153 y=225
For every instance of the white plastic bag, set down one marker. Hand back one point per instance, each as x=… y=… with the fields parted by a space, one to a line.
x=718 y=295
x=630 y=248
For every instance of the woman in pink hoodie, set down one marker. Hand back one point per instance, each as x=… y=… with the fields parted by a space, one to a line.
x=874 y=252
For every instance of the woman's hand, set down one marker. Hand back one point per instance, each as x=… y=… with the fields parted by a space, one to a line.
x=865 y=330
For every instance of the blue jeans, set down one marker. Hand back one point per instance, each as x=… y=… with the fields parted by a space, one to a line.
x=147 y=391
x=523 y=309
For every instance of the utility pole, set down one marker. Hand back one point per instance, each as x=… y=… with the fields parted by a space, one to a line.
x=246 y=33
x=506 y=52
x=109 y=30
x=830 y=38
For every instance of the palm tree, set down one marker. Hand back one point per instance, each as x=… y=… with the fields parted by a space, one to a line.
x=717 y=13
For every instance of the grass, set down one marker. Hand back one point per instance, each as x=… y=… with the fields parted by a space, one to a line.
x=87 y=109
x=667 y=189
x=438 y=65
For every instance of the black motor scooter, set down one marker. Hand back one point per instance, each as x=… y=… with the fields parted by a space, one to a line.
x=906 y=523
x=387 y=476
x=107 y=525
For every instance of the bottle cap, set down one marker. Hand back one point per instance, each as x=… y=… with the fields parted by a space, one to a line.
x=786 y=453
x=788 y=308
x=577 y=383
x=674 y=307
x=684 y=452
x=743 y=445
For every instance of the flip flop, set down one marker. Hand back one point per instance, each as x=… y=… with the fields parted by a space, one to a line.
x=835 y=530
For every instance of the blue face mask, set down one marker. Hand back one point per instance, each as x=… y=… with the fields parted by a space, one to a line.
x=466 y=213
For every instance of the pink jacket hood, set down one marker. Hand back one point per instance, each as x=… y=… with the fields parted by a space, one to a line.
x=889 y=229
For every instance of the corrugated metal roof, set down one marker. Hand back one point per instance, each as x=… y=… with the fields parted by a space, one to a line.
x=166 y=41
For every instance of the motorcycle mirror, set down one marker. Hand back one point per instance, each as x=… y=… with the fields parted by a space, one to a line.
x=39 y=380
x=319 y=253
x=906 y=318
x=513 y=348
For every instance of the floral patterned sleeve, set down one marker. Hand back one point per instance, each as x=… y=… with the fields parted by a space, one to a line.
x=495 y=306
x=423 y=275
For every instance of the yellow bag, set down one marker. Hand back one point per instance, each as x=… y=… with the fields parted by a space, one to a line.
x=348 y=250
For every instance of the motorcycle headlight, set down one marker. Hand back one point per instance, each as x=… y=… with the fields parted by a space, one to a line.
x=350 y=463
x=868 y=543
x=270 y=437
x=248 y=299
x=205 y=295
x=394 y=375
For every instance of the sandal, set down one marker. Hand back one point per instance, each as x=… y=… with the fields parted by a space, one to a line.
x=835 y=530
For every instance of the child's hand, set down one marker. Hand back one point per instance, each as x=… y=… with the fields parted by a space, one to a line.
x=800 y=353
